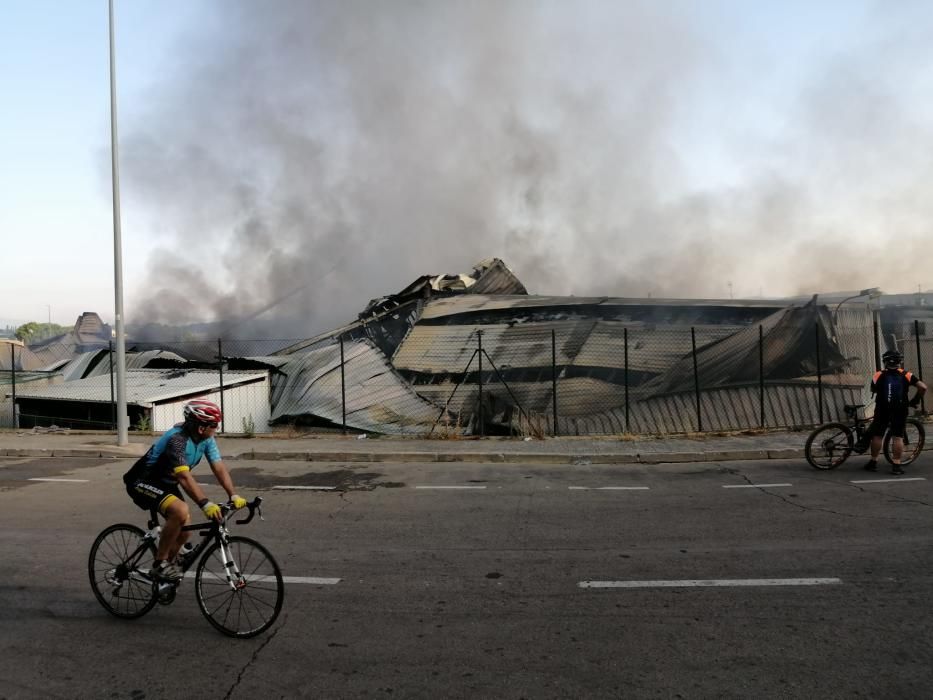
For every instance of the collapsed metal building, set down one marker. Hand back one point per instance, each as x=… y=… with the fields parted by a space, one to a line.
x=475 y=353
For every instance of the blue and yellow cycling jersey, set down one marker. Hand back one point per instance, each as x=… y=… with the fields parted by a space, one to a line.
x=176 y=452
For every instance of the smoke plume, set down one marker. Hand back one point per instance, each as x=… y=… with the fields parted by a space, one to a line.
x=300 y=158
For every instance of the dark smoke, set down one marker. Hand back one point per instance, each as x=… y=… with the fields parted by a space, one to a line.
x=301 y=158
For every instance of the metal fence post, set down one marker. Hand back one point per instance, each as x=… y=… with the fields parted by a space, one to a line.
x=13 y=381
x=696 y=377
x=923 y=406
x=819 y=372
x=479 y=340
x=220 y=366
x=874 y=335
x=343 y=390
x=628 y=428
x=761 y=373
x=555 y=432
x=113 y=400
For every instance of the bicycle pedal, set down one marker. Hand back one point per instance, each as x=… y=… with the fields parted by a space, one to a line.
x=166 y=594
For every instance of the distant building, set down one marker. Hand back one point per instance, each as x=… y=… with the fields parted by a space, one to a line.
x=155 y=399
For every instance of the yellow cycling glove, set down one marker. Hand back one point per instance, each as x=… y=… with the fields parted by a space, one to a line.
x=211 y=510
x=238 y=501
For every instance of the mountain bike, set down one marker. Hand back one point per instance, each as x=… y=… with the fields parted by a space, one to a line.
x=831 y=443
x=237 y=582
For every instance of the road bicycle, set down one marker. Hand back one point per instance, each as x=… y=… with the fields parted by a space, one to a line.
x=831 y=443
x=237 y=582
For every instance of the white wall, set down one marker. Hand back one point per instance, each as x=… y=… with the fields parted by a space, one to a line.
x=242 y=402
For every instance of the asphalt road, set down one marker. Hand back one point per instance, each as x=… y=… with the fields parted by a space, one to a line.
x=748 y=579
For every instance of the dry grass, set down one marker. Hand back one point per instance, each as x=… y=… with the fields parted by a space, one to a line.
x=446 y=430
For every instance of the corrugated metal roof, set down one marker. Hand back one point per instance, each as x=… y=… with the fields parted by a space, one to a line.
x=78 y=366
x=25 y=359
x=581 y=342
x=378 y=399
x=96 y=362
x=793 y=404
x=467 y=303
x=143 y=386
x=138 y=360
x=497 y=278
x=270 y=360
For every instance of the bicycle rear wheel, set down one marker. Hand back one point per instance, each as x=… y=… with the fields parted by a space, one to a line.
x=829 y=446
x=249 y=601
x=114 y=569
x=914 y=437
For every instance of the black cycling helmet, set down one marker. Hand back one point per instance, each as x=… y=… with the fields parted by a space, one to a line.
x=892 y=359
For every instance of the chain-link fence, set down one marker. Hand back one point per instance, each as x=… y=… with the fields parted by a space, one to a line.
x=75 y=387
x=597 y=377
x=572 y=376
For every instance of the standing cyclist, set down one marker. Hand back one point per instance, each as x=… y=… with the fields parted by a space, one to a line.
x=890 y=387
x=154 y=480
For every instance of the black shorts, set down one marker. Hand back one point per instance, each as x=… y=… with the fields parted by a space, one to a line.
x=886 y=418
x=154 y=494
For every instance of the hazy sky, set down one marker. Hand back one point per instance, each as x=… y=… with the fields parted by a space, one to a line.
x=325 y=153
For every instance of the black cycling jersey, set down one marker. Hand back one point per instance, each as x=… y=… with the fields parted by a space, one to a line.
x=891 y=386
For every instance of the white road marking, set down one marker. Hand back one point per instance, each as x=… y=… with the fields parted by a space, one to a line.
x=305 y=488
x=450 y=487
x=315 y=580
x=74 y=481
x=608 y=488
x=881 y=481
x=701 y=583
x=753 y=486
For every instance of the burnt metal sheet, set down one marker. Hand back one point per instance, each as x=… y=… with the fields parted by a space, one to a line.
x=378 y=399
x=662 y=310
x=494 y=277
x=792 y=404
x=143 y=386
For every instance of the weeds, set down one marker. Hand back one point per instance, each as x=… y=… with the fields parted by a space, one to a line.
x=249 y=426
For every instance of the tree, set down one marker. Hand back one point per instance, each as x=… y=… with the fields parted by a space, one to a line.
x=27 y=331
x=32 y=332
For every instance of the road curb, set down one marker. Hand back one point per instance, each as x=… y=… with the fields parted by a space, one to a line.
x=521 y=458
x=441 y=457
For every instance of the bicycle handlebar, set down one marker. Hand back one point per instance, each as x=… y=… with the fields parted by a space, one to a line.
x=253 y=506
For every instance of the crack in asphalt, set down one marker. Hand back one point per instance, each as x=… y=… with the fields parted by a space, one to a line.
x=778 y=496
x=803 y=507
x=873 y=492
x=346 y=504
x=253 y=657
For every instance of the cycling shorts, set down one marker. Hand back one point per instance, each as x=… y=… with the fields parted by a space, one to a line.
x=156 y=494
x=886 y=418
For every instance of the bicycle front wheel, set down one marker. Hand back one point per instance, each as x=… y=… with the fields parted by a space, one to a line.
x=241 y=594
x=829 y=446
x=914 y=437
x=116 y=566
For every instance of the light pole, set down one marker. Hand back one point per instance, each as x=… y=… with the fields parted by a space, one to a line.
x=122 y=427
x=871 y=293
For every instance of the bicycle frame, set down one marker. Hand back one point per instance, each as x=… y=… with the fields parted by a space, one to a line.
x=858 y=425
x=224 y=573
x=209 y=531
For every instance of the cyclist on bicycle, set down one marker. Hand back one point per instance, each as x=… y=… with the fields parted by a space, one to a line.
x=890 y=387
x=154 y=480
